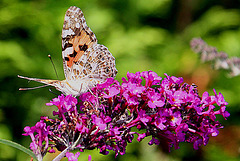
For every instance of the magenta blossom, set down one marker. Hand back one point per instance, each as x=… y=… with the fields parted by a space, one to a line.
x=40 y=141
x=166 y=109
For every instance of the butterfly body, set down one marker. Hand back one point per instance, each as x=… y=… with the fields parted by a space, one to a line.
x=85 y=62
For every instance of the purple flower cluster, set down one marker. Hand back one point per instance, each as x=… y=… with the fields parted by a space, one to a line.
x=168 y=110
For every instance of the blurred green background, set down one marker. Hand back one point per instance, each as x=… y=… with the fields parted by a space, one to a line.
x=142 y=35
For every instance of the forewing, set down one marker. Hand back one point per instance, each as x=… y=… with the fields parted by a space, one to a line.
x=77 y=38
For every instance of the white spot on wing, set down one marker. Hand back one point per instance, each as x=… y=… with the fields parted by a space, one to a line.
x=67 y=32
x=77 y=25
x=67 y=51
x=67 y=18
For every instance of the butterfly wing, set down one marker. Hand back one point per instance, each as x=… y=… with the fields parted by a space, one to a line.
x=85 y=62
x=77 y=37
x=98 y=63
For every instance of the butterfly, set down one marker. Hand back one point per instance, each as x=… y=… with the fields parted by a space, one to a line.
x=85 y=62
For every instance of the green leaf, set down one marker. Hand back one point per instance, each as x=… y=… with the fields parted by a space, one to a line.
x=18 y=146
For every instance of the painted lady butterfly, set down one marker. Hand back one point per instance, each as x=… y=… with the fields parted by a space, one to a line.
x=85 y=62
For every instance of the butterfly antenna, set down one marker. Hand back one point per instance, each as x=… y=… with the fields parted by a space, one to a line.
x=25 y=89
x=49 y=56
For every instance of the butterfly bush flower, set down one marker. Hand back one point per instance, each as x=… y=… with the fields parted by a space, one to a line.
x=40 y=141
x=168 y=110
